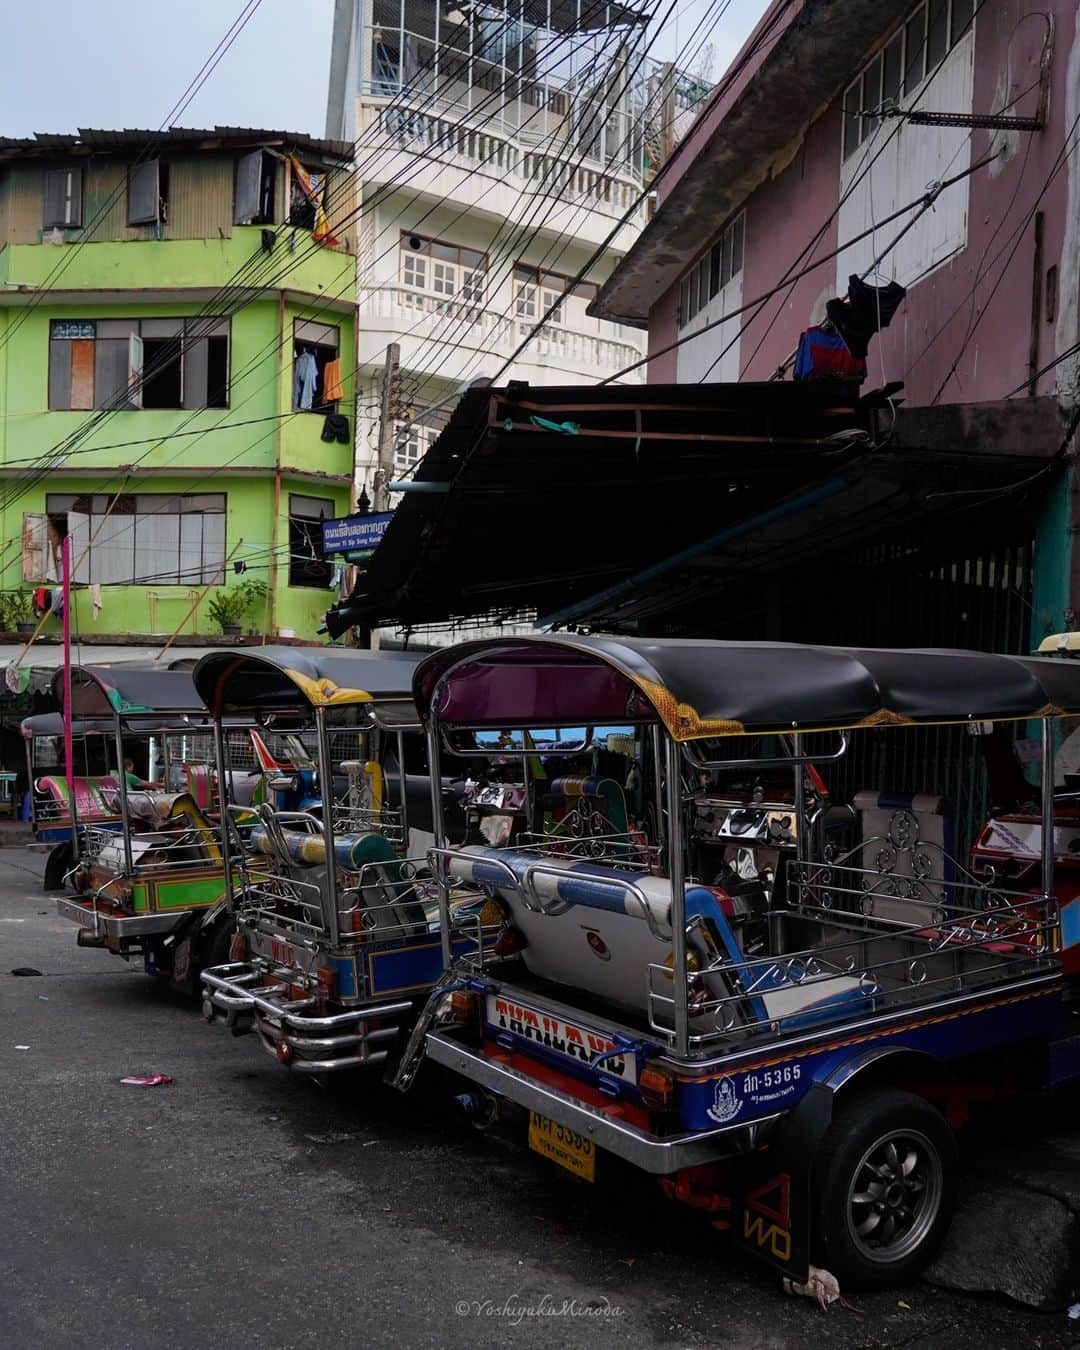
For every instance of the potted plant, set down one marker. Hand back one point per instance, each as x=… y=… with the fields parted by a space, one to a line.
x=228 y=607
x=17 y=611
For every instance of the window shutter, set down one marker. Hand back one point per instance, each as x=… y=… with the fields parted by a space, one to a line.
x=135 y=370
x=248 y=185
x=143 y=193
x=56 y=196
x=35 y=541
x=79 y=534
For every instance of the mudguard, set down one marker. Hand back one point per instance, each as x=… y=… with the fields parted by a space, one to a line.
x=770 y=1201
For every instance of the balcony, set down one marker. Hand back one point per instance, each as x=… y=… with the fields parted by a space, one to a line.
x=501 y=175
x=458 y=341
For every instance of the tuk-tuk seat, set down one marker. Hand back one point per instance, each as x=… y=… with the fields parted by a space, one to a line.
x=384 y=893
x=606 y=790
x=89 y=802
x=761 y=991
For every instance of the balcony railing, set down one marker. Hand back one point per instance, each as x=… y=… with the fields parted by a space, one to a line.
x=569 y=177
x=489 y=330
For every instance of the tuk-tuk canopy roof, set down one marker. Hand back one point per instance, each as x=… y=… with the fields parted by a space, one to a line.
x=52 y=724
x=700 y=689
x=265 y=679
x=128 y=692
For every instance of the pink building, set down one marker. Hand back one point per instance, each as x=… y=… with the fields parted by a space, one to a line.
x=934 y=144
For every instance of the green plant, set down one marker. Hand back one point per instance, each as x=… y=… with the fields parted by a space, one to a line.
x=15 y=608
x=228 y=607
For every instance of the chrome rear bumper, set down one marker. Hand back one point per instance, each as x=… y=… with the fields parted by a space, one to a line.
x=289 y=1030
x=86 y=916
x=649 y=1152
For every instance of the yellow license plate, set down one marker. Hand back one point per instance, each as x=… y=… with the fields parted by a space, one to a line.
x=563 y=1146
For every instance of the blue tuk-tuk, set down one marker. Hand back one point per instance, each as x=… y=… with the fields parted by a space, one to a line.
x=779 y=988
x=337 y=922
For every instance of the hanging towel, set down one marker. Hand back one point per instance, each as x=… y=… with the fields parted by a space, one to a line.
x=95 y=598
x=332 y=382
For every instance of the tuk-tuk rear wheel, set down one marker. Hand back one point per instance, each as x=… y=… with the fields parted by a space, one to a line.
x=884 y=1188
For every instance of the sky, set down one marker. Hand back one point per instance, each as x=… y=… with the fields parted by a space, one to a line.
x=111 y=64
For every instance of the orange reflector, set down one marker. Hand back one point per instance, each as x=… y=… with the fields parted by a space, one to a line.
x=657 y=1087
x=464 y=1006
x=492 y=913
x=325 y=977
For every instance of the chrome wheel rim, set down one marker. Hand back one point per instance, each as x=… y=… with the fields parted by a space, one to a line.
x=894 y=1196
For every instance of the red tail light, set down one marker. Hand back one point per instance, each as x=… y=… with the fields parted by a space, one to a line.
x=509 y=941
x=237 y=947
x=283 y=1052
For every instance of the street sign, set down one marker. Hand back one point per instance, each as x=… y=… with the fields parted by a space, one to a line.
x=354 y=534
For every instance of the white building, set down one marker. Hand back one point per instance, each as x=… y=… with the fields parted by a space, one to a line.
x=496 y=148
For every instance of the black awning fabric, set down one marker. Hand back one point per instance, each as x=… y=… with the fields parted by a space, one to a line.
x=267 y=678
x=609 y=505
x=702 y=689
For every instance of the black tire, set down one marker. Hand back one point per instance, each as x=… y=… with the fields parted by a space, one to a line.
x=897 y=1151
x=212 y=946
x=60 y=861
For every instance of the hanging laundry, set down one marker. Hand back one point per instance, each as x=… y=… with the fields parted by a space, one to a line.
x=312 y=188
x=95 y=598
x=42 y=600
x=866 y=308
x=824 y=355
x=332 y=382
x=305 y=375
x=56 y=604
x=335 y=427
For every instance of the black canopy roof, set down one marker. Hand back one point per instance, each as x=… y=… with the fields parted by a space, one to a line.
x=128 y=691
x=269 y=678
x=52 y=724
x=701 y=689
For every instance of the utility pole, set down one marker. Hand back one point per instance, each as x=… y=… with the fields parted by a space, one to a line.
x=391 y=401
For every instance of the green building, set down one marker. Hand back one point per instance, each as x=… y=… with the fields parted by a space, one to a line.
x=177 y=321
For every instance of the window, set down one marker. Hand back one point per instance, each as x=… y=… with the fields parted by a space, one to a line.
x=316 y=367
x=253 y=198
x=710 y=274
x=148 y=192
x=441 y=269
x=918 y=48
x=411 y=444
x=143 y=538
x=307 y=566
x=537 y=290
x=139 y=363
x=309 y=194
x=63 y=199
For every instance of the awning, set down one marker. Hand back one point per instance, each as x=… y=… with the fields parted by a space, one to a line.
x=266 y=679
x=613 y=506
x=700 y=689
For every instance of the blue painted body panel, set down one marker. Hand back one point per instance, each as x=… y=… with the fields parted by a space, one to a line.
x=774 y=1077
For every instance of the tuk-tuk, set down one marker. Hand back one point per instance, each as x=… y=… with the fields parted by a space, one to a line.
x=781 y=990
x=58 y=809
x=337 y=925
x=149 y=877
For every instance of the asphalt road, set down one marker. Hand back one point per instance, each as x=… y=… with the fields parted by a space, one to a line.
x=241 y=1206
